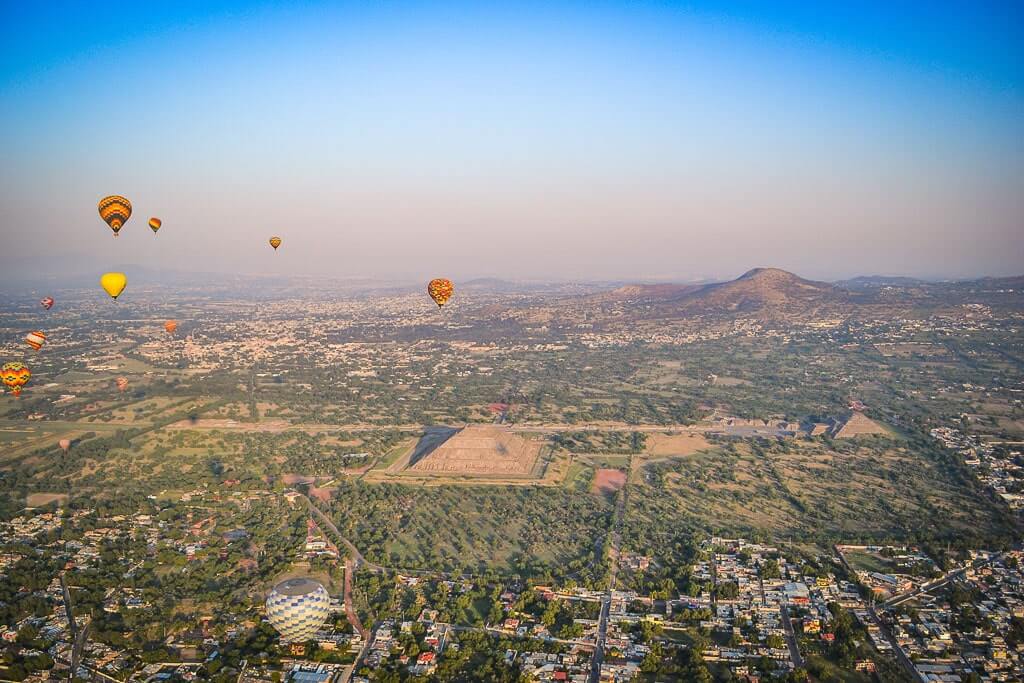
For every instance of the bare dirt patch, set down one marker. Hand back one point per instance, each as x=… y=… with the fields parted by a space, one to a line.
x=668 y=445
x=608 y=481
x=39 y=499
x=273 y=426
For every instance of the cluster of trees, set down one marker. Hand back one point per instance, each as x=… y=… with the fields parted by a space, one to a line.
x=601 y=442
x=529 y=531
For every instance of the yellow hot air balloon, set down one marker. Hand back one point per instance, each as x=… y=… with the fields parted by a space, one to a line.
x=154 y=224
x=15 y=375
x=171 y=326
x=115 y=210
x=275 y=242
x=113 y=283
x=440 y=290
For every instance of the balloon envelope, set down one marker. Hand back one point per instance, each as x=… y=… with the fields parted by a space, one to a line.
x=275 y=242
x=115 y=211
x=440 y=290
x=47 y=302
x=171 y=326
x=35 y=339
x=297 y=608
x=113 y=283
x=154 y=224
x=122 y=383
x=65 y=444
x=15 y=375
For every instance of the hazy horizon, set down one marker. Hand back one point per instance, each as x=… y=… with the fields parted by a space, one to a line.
x=563 y=142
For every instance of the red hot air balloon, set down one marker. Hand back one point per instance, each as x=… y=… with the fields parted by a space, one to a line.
x=47 y=302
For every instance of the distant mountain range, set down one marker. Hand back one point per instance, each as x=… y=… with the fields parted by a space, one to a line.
x=765 y=294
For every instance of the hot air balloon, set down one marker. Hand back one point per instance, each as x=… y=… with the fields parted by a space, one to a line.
x=65 y=444
x=47 y=302
x=440 y=290
x=115 y=211
x=171 y=326
x=275 y=242
x=154 y=224
x=113 y=283
x=297 y=608
x=35 y=339
x=15 y=375
x=122 y=383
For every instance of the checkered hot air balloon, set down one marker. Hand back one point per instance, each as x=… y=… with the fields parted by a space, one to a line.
x=297 y=608
x=15 y=375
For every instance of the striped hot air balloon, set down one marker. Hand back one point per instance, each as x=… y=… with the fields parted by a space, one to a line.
x=47 y=302
x=154 y=224
x=115 y=211
x=35 y=339
x=275 y=242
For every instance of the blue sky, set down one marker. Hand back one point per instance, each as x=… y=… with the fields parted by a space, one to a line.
x=563 y=140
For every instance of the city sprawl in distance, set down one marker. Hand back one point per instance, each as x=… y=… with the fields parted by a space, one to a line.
x=511 y=342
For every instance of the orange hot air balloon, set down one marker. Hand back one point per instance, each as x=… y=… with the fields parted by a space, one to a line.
x=122 y=383
x=15 y=375
x=115 y=211
x=275 y=242
x=154 y=224
x=440 y=290
x=35 y=339
x=47 y=302
x=171 y=326
x=65 y=444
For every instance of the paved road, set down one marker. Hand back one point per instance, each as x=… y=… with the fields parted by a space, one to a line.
x=606 y=602
x=350 y=610
x=326 y=521
x=940 y=582
x=901 y=656
x=78 y=636
x=787 y=626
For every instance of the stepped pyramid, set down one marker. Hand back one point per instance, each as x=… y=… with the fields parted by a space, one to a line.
x=481 y=449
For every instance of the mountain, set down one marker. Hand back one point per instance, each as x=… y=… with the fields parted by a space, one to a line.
x=763 y=287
